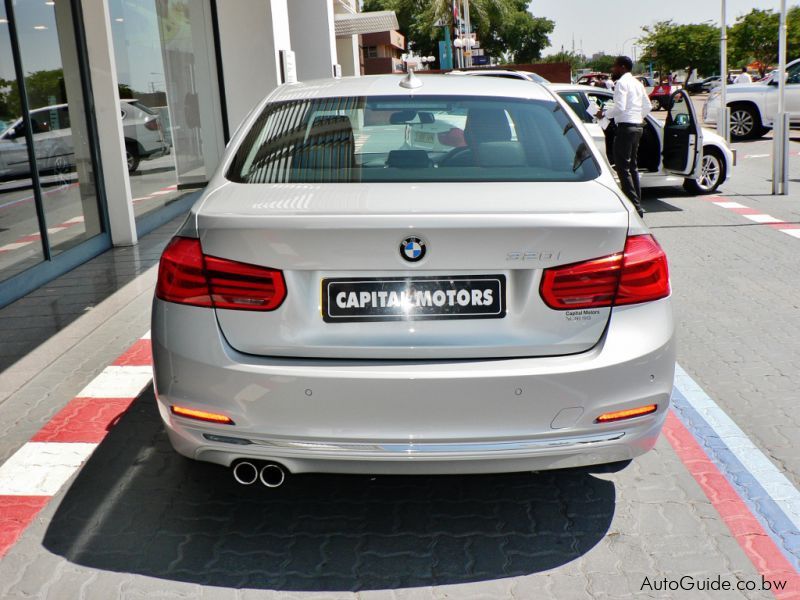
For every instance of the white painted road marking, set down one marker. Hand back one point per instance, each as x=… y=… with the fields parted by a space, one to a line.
x=775 y=483
x=118 y=382
x=41 y=468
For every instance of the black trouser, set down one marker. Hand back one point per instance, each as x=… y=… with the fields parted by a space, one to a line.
x=626 y=148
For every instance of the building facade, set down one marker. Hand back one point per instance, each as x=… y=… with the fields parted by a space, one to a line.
x=112 y=112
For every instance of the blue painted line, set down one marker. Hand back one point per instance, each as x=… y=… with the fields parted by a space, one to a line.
x=777 y=523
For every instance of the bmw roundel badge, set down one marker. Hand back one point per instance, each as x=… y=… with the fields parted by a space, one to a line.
x=412 y=249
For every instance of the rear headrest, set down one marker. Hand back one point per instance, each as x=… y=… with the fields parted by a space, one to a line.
x=337 y=126
x=499 y=154
x=328 y=152
x=408 y=159
x=486 y=125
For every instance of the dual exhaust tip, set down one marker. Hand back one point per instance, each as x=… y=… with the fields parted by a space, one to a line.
x=272 y=475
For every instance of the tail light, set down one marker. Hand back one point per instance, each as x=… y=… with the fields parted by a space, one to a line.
x=153 y=124
x=639 y=274
x=187 y=276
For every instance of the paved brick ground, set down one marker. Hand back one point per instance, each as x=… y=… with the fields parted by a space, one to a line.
x=138 y=519
x=140 y=522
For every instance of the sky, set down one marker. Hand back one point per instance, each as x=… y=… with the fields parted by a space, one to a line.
x=609 y=25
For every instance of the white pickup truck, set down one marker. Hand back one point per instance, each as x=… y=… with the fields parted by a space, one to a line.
x=754 y=105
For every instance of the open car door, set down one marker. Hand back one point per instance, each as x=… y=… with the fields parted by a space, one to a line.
x=683 y=137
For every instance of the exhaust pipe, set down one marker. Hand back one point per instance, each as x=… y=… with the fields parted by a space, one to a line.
x=272 y=475
x=245 y=473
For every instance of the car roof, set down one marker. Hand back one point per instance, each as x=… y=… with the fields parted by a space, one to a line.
x=389 y=85
x=576 y=87
x=520 y=74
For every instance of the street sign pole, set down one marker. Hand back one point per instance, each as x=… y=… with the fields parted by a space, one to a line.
x=723 y=116
x=780 y=132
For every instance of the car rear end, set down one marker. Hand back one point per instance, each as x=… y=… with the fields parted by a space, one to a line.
x=143 y=125
x=339 y=301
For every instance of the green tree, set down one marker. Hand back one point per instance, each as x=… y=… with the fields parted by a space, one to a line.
x=504 y=28
x=754 y=38
x=694 y=47
x=575 y=60
x=601 y=63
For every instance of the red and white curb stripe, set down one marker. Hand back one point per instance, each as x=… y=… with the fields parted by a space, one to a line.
x=162 y=192
x=35 y=237
x=792 y=229
x=38 y=470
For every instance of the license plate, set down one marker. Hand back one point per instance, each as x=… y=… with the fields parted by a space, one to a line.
x=413 y=298
x=423 y=137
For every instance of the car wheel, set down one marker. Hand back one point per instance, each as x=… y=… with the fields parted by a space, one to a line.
x=132 y=157
x=655 y=104
x=713 y=172
x=745 y=123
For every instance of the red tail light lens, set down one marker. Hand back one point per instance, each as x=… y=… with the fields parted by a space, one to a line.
x=639 y=274
x=181 y=276
x=645 y=274
x=187 y=276
x=153 y=124
x=582 y=285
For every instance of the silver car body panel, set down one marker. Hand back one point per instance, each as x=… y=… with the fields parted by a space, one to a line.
x=511 y=229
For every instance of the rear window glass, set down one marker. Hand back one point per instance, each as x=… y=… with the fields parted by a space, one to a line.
x=424 y=138
x=138 y=104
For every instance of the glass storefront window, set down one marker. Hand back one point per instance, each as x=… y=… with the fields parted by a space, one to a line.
x=47 y=51
x=20 y=244
x=169 y=96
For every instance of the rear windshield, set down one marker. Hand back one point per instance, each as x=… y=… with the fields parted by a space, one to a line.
x=138 y=104
x=424 y=138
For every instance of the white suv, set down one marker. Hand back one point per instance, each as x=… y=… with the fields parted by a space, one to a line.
x=754 y=105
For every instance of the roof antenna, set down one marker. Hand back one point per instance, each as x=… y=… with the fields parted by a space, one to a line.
x=411 y=81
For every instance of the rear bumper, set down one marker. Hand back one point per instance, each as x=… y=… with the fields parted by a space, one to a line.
x=399 y=417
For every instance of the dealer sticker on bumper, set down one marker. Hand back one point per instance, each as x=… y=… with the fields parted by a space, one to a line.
x=413 y=298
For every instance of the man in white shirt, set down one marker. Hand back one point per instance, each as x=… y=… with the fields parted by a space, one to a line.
x=631 y=106
x=743 y=77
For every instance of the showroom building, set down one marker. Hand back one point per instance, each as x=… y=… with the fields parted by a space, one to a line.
x=113 y=113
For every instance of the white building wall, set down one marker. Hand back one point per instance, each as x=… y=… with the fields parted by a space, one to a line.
x=312 y=29
x=103 y=74
x=251 y=33
x=347 y=52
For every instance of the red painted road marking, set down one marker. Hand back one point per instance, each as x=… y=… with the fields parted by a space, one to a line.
x=75 y=429
x=755 y=542
x=16 y=512
x=138 y=355
x=83 y=420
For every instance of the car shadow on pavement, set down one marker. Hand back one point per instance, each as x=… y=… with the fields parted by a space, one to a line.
x=653 y=199
x=138 y=507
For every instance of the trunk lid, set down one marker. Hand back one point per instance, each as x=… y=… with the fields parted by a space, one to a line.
x=507 y=231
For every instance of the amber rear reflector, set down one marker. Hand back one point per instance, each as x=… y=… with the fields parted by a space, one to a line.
x=619 y=415
x=201 y=415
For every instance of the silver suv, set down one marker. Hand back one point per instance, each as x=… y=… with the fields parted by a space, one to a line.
x=754 y=105
x=54 y=148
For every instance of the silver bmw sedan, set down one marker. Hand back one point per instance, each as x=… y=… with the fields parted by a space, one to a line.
x=402 y=274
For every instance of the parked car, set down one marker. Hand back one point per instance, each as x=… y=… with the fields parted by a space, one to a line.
x=504 y=73
x=334 y=306
x=753 y=107
x=661 y=94
x=144 y=133
x=53 y=144
x=648 y=82
x=591 y=78
x=703 y=86
x=704 y=165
